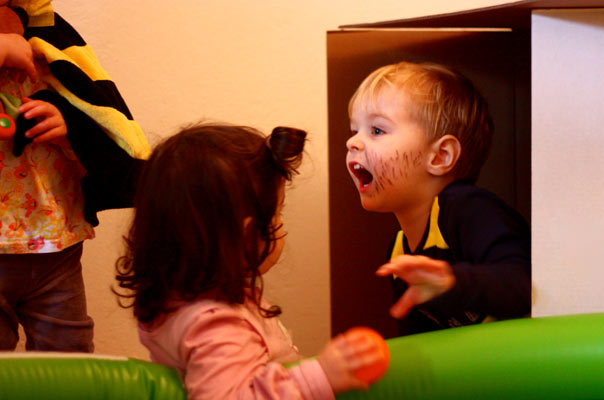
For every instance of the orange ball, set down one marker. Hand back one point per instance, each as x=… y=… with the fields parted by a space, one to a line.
x=375 y=371
x=7 y=127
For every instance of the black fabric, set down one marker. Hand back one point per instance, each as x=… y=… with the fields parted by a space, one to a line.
x=489 y=252
x=61 y=35
x=19 y=140
x=98 y=93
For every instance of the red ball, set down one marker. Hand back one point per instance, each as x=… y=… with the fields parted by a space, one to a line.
x=375 y=371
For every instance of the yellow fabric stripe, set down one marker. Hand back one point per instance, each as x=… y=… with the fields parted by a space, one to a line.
x=85 y=59
x=126 y=133
x=81 y=56
x=398 y=249
x=435 y=237
x=38 y=21
x=40 y=12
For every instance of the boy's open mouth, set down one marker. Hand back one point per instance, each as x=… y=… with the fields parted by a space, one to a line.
x=365 y=177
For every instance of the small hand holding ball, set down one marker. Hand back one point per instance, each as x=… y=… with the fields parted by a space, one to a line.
x=378 y=361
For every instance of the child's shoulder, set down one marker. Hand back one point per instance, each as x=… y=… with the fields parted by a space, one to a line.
x=461 y=189
x=459 y=193
x=183 y=313
x=206 y=309
x=462 y=200
x=204 y=312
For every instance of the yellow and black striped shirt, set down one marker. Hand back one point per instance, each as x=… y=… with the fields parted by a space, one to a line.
x=101 y=130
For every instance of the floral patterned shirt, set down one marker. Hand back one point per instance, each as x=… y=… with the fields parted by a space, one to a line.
x=41 y=202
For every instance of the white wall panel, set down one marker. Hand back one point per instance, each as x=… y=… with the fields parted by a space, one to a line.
x=568 y=161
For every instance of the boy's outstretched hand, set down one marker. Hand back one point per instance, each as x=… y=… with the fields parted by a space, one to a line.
x=427 y=278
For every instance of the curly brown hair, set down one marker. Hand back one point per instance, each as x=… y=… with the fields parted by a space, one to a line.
x=188 y=236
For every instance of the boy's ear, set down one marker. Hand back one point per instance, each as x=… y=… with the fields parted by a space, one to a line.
x=444 y=155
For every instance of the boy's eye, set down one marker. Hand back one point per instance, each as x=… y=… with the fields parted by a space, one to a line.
x=377 y=131
x=353 y=132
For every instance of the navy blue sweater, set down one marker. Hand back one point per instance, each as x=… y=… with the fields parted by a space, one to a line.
x=488 y=246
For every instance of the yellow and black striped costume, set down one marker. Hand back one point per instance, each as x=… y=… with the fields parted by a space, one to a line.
x=487 y=244
x=107 y=141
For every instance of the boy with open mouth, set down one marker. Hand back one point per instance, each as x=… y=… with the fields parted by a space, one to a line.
x=420 y=135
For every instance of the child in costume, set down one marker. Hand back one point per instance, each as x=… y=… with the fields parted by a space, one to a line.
x=70 y=149
x=194 y=262
x=420 y=135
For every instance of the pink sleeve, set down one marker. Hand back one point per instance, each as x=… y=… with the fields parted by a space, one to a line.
x=227 y=358
x=311 y=380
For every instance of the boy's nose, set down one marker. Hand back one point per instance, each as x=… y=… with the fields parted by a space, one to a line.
x=354 y=143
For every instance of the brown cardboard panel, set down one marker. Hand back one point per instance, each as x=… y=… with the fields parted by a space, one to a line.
x=498 y=63
x=515 y=15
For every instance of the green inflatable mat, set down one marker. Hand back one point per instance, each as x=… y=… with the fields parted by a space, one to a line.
x=558 y=357
x=82 y=376
x=549 y=358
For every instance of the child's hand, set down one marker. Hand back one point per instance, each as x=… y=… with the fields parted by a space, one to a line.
x=50 y=126
x=15 y=52
x=345 y=354
x=427 y=278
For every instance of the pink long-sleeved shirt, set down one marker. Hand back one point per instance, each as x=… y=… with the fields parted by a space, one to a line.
x=231 y=352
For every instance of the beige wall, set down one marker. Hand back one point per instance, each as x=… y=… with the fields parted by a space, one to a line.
x=261 y=63
x=568 y=172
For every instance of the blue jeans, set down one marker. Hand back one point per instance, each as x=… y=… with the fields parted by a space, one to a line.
x=45 y=294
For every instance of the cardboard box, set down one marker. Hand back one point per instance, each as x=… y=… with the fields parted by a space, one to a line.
x=491 y=46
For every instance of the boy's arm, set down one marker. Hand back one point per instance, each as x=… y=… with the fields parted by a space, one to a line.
x=492 y=242
x=494 y=276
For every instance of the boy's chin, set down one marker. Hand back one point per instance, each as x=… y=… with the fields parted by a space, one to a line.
x=369 y=204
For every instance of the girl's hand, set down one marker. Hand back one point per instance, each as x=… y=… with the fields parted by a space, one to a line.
x=50 y=126
x=15 y=52
x=347 y=353
x=427 y=278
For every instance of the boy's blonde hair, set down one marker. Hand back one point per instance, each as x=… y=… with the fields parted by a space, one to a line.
x=442 y=102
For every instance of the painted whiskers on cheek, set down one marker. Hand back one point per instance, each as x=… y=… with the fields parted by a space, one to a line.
x=386 y=171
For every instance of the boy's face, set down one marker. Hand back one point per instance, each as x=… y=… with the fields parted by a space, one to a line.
x=387 y=153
